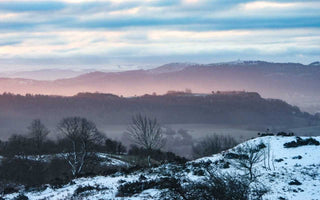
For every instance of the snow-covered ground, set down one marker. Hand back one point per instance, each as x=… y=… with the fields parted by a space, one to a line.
x=107 y=159
x=279 y=167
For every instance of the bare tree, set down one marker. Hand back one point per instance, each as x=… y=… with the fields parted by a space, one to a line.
x=249 y=156
x=82 y=134
x=38 y=134
x=146 y=132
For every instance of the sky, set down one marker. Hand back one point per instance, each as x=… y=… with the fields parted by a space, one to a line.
x=129 y=34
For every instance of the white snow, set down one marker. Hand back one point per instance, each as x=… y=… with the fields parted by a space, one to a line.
x=306 y=170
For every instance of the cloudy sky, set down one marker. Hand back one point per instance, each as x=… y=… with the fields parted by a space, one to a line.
x=124 y=34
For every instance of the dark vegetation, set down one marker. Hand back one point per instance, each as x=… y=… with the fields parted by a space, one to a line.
x=213 y=144
x=131 y=188
x=147 y=133
x=30 y=162
x=247 y=157
x=246 y=109
x=34 y=159
x=301 y=142
x=210 y=185
x=295 y=182
x=83 y=191
x=268 y=133
x=156 y=155
x=213 y=186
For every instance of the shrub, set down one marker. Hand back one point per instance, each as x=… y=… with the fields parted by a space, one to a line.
x=216 y=186
x=285 y=134
x=265 y=134
x=297 y=157
x=21 y=197
x=301 y=142
x=226 y=165
x=58 y=182
x=131 y=188
x=251 y=154
x=82 y=189
x=157 y=155
x=235 y=156
x=27 y=172
x=295 y=182
x=224 y=187
x=114 y=147
x=198 y=172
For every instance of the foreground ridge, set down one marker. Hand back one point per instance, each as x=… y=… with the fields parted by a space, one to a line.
x=288 y=168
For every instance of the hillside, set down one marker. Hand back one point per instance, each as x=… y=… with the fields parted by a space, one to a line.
x=240 y=109
x=295 y=83
x=44 y=74
x=287 y=173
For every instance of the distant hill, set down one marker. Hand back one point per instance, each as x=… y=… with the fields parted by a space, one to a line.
x=295 y=83
x=44 y=74
x=233 y=109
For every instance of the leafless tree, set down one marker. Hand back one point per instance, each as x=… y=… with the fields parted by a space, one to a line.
x=37 y=133
x=249 y=156
x=82 y=134
x=146 y=132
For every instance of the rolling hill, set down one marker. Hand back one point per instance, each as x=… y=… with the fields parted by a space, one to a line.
x=246 y=110
x=295 y=83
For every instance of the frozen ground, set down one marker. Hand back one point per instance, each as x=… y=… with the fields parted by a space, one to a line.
x=277 y=170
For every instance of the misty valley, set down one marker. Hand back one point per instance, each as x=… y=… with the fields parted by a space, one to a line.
x=53 y=141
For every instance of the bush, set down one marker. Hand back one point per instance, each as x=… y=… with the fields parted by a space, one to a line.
x=285 y=134
x=236 y=156
x=216 y=186
x=295 y=182
x=114 y=147
x=224 y=187
x=301 y=142
x=82 y=189
x=157 y=155
x=26 y=172
x=131 y=188
x=297 y=157
x=250 y=155
x=21 y=197
x=265 y=134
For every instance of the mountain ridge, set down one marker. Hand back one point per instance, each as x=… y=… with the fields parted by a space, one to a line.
x=295 y=83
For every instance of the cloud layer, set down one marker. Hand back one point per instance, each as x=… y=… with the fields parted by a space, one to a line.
x=105 y=33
